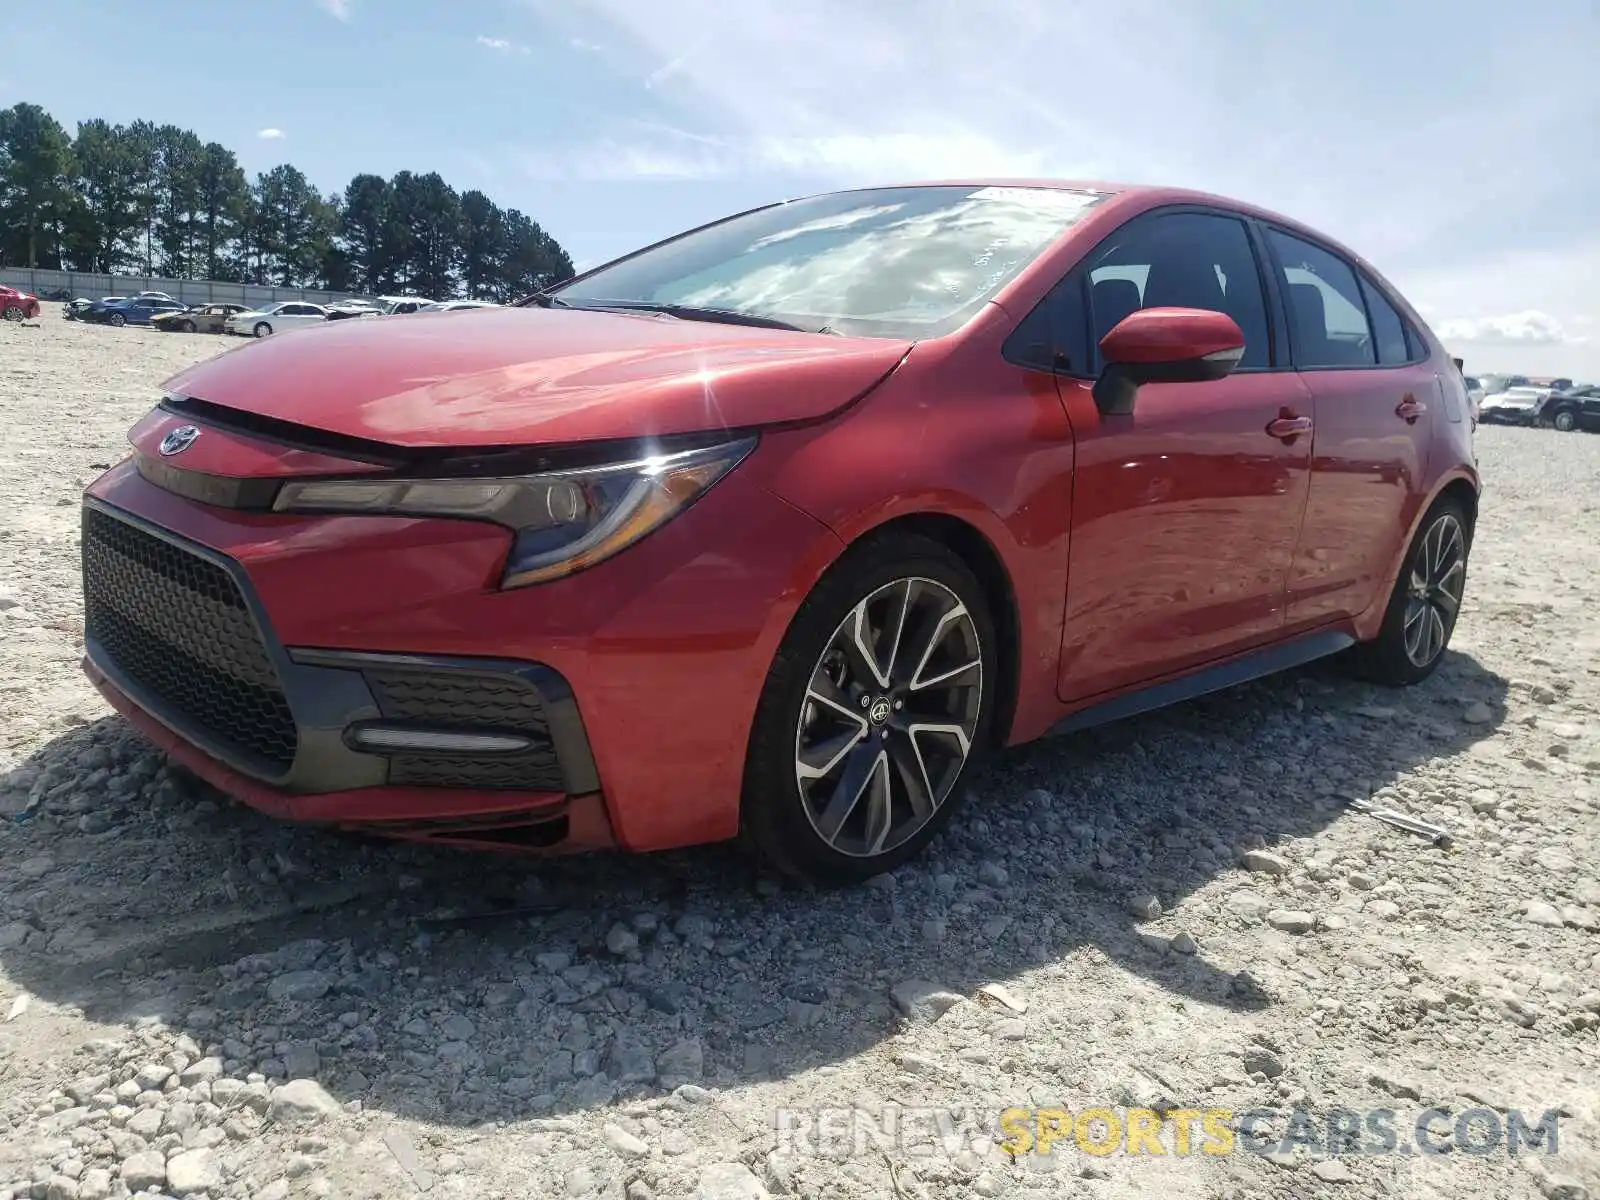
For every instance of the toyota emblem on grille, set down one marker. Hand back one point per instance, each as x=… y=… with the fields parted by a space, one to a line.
x=179 y=439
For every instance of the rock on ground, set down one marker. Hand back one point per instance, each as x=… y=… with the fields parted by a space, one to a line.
x=195 y=998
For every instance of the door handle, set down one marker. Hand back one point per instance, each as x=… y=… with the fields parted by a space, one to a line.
x=1409 y=409
x=1288 y=426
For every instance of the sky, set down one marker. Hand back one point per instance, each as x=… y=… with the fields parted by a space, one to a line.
x=1452 y=143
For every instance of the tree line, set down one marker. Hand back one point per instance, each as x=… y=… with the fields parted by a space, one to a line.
x=147 y=199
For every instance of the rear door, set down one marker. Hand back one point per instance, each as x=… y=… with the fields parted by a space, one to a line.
x=1187 y=511
x=1376 y=398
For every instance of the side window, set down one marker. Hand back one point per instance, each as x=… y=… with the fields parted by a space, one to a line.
x=1388 y=330
x=1052 y=336
x=1327 y=319
x=1181 y=260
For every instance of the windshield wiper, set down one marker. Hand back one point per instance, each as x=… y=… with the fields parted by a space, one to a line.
x=546 y=300
x=690 y=312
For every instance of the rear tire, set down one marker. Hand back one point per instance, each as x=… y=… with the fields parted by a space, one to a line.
x=878 y=700
x=1424 y=605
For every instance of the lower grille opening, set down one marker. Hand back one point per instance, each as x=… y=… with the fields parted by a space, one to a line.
x=176 y=624
x=468 y=703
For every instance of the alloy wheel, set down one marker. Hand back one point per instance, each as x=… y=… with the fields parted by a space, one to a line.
x=1433 y=594
x=1565 y=421
x=890 y=716
x=13 y=313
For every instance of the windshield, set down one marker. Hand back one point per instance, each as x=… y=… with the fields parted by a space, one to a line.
x=891 y=262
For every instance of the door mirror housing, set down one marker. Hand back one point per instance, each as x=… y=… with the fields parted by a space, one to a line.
x=1164 y=345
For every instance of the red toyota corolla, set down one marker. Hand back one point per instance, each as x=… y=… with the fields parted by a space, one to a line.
x=771 y=527
x=17 y=305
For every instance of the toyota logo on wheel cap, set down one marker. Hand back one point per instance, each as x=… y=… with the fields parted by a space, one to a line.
x=179 y=439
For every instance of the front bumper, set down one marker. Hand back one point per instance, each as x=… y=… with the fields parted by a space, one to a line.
x=249 y=644
x=177 y=641
x=1508 y=416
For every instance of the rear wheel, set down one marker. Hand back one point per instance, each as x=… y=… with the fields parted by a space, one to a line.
x=262 y=329
x=1425 y=603
x=872 y=710
x=1565 y=420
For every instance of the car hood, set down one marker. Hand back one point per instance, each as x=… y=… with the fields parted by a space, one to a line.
x=523 y=376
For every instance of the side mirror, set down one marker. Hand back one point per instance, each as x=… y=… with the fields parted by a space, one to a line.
x=1164 y=345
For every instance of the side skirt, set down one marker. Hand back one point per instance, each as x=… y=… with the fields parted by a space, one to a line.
x=1256 y=665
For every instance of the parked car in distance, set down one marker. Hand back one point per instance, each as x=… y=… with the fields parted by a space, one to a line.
x=74 y=309
x=394 y=306
x=1572 y=408
x=135 y=310
x=276 y=318
x=158 y=296
x=1475 y=395
x=17 y=305
x=454 y=305
x=1499 y=383
x=202 y=318
x=786 y=520
x=1518 y=405
x=343 y=310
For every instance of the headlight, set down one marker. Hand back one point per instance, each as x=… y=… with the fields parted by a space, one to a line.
x=564 y=521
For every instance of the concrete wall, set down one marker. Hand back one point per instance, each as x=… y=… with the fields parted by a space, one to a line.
x=90 y=286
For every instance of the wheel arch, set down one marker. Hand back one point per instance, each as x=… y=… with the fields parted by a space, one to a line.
x=1462 y=490
x=979 y=553
x=1460 y=486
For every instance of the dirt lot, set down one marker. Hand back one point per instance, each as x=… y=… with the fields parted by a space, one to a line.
x=197 y=1001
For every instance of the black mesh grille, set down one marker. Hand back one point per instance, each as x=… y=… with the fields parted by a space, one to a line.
x=469 y=703
x=176 y=624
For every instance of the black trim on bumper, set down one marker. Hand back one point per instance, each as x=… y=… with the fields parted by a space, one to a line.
x=329 y=690
x=546 y=686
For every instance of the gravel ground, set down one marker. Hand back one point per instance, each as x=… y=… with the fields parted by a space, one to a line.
x=1175 y=912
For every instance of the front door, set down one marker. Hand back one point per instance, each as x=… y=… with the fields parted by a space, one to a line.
x=1376 y=398
x=1187 y=511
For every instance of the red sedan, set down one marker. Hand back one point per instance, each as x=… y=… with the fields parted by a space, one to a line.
x=16 y=305
x=770 y=528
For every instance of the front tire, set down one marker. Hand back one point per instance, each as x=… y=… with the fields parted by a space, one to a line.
x=1425 y=603
x=14 y=313
x=875 y=705
x=262 y=329
x=1565 y=420
x=118 y=320
x=188 y=327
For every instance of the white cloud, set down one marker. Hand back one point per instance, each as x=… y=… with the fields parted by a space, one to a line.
x=271 y=135
x=1283 y=109
x=501 y=45
x=585 y=45
x=338 y=9
x=1531 y=327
